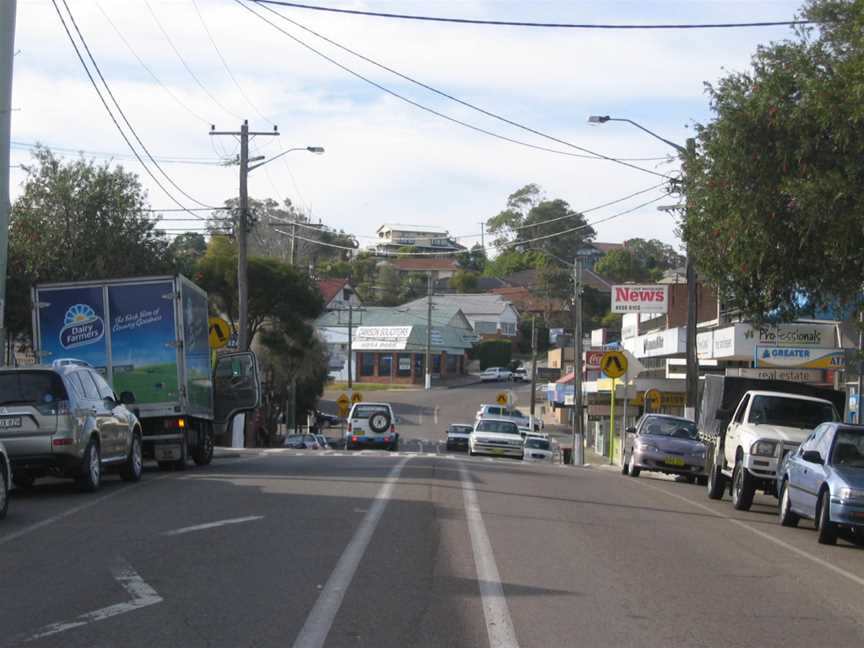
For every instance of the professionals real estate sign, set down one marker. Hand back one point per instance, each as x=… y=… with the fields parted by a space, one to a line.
x=640 y=299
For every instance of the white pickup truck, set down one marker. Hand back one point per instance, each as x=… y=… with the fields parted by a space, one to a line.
x=753 y=425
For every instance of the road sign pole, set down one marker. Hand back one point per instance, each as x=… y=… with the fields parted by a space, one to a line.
x=612 y=425
x=626 y=403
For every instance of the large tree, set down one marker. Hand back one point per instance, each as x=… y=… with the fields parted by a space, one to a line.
x=77 y=220
x=775 y=191
x=639 y=260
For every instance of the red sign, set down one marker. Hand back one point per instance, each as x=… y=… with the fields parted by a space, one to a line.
x=640 y=299
x=592 y=360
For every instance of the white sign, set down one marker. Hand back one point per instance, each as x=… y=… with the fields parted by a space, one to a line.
x=629 y=326
x=372 y=338
x=598 y=337
x=792 y=375
x=705 y=344
x=820 y=336
x=662 y=343
x=640 y=299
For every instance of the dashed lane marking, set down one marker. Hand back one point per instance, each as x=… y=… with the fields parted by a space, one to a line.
x=213 y=525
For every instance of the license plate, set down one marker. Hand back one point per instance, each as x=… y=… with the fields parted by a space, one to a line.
x=167 y=452
x=10 y=421
x=675 y=461
x=497 y=451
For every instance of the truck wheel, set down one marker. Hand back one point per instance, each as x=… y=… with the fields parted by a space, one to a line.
x=716 y=483
x=743 y=488
x=180 y=464
x=203 y=454
x=134 y=466
x=827 y=529
x=23 y=479
x=632 y=468
x=91 y=467
x=4 y=491
x=788 y=517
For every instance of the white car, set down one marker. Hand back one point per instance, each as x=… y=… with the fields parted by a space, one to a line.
x=520 y=375
x=499 y=411
x=495 y=436
x=537 y=448
x=495 y=374
x=5 y=481
x=372 y=425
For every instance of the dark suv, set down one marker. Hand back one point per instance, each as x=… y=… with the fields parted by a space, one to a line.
x=65 y=421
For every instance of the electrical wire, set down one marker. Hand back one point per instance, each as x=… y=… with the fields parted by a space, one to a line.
x=438 y=113
x=591 y=156
x=186 y=65
x=108 y=108
x=509 y=23
x=225 y=64
x=123 y=114
x=177 y=99
x=164 y=159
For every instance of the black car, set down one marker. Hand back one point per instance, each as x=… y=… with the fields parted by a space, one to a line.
x=323 y=419
x=458 y=435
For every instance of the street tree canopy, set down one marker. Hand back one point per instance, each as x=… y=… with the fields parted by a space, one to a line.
x=775 y=193
x=639 y=260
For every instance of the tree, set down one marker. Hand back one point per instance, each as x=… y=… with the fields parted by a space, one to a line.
x=389 y=286
x=78 y=220
x=187 y=250
x=463 y=281
x=775 y=205
x=622 y=265
x=639 y=261
x=474 y=260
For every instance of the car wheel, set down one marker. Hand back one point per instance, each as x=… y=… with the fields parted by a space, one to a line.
x=702 y=480
x=632 y=468
x=23 y=479
x=91 y=467
x=716 y=482
x=4 y=490
x=134 y=465
x=202 y=455
x=625 y=468
x=856 y=536
x=827 y=529
x=788 y=517
x=743 y=488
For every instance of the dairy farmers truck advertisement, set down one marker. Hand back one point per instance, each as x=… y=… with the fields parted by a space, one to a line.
x=74 y=323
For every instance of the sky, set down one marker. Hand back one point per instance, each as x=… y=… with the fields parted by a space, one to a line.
x=386 y=161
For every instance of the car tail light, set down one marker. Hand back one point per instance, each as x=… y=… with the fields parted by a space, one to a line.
x=353 y=439
x=386 y=439
x=349 y=427
x=315 y=446
x=62 y=442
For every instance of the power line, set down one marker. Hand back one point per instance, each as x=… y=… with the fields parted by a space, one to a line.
x=108 y=108
x=123 y=114
x=507 y=23
x=451 y=97
x=164 y=159
x=186 y=65
x=437 y=113
x=225 y=63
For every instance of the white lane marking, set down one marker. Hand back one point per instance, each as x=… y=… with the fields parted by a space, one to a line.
x=499 y=625
x=212 y=525
x=141 y=593
x=314 y=632
x=436 y=415
x=767 y=536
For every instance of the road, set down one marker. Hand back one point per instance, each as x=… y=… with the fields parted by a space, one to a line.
x=285 y=548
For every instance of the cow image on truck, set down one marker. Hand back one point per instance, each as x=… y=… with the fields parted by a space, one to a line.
x=750 y=425
x=150 y=337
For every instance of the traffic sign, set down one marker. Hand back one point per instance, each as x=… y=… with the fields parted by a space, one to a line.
x=502 y=398
x=653 y=400
x=356 y=397
x=343 y=402
x=220 y=332
x=614 y=364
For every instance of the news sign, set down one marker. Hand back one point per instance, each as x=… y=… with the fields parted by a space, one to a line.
x=631 y=298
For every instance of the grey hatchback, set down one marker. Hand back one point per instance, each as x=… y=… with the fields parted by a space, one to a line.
x=667 y=444
x=65 y=421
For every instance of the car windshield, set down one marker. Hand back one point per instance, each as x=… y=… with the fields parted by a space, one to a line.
x=848 y=448
x=365 y=411
x=670 y=427
x=460 y=429
x=790 y=412
x=539 y=444
x=30 y=387
x=501 y=427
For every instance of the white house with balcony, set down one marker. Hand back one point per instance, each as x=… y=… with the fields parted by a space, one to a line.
x=425 y=238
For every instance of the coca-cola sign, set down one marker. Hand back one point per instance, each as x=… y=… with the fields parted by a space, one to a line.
x=640 y=299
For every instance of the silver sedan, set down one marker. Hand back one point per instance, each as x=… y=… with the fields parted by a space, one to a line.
x=667 y=444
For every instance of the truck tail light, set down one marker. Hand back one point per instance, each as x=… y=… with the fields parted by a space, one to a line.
x=175 y=424
x=62 y=442
x=349 y=427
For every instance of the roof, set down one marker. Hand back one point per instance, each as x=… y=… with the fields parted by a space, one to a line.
x=442 y=315
x=330 y=288
x=526 y=301
x=469 y=304
x=418 y=265
x=608 y=247
x=595 y=281
x=523 y=278
x=427 y=229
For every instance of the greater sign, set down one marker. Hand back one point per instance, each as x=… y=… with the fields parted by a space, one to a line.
x=801 y=357
x=640 y=299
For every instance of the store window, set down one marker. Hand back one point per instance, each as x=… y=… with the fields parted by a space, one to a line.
x=385 y=364
x=403 y=369
x=419 y=365
x=436 y=364
x=452 y=364
x=367 y=364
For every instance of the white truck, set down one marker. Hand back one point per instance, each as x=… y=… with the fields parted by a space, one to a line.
x=750 y=425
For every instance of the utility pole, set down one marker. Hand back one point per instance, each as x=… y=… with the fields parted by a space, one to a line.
x=692 y=383
x=242 y=229
x=350 y=353
x=7 y=56
x=293 y=256
x=483 y=235
x=429 y=331
x=533 y=365
x=578 y=431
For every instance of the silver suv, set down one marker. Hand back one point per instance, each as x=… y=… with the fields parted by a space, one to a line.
x=65 y=421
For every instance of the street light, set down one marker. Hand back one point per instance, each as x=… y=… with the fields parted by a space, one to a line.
x=317 y=150
x=686 y=153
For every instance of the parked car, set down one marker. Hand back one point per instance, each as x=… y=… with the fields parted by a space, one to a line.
x=495 y=374
x=371 y=425
x=823 y=480
x=302 y=442
x=65 y=421
x=458 y=435
x=520 y=375
x=537 y=449
x=323 y=419
x=322 y=441
x=5 y=481
x=495 y=436
x=667 y=444
x=500 y=411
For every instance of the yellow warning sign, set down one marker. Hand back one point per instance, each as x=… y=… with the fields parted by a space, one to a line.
x=356 y=397
x=502 y=398
x=220 y=332
x=653 y=400
x=614 y=364
x=343 y=402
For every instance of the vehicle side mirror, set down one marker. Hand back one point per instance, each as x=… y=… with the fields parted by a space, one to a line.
x=630 y=430
x=396 y=419
x=812 y=456
x=127 y=398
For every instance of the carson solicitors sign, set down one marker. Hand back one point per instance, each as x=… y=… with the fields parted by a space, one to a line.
x=640 y=299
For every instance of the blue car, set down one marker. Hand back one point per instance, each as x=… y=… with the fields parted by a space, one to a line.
x=823 y=480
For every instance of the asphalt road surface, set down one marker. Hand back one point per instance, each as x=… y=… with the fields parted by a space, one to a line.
x=289 y=548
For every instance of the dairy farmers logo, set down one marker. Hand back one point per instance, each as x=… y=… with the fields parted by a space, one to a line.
x=81 y=326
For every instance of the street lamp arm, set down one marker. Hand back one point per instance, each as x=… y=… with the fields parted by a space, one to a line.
x=677 y=147
x=311 y=149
